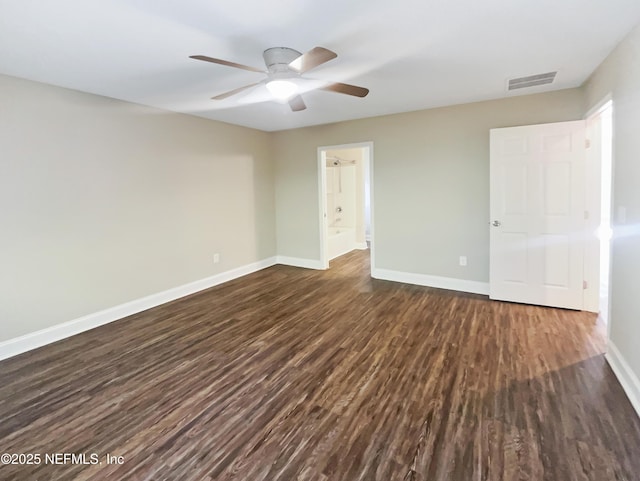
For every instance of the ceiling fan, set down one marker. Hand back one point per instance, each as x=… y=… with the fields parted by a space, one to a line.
x=284 y=67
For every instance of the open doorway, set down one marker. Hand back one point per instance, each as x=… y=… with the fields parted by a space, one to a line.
x=345 y=186
x=599 y=194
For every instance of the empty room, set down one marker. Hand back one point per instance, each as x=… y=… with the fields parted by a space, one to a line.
x=320 y=241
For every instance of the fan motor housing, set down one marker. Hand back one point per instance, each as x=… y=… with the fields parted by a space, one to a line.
x=277 y=59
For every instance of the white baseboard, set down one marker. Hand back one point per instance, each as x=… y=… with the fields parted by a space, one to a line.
x=628 y=379
x=33 y=340
x=340 y=253
x=462 y=285
x=362 y=246
x=299 y=262
x=27 y=342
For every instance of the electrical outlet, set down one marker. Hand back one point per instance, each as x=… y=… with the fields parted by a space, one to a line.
x=463 y=260
x=216 y=258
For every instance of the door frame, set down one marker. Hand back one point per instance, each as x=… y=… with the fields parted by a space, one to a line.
x=322 y=196
x=594 y=165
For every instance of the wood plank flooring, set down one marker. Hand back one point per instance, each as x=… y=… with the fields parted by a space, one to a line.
x=293 y=374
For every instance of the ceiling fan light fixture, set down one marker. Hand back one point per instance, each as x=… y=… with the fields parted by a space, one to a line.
x=282 y=89
x=284 y=81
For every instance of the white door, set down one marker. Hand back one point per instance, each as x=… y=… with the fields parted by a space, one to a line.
x=537 y=214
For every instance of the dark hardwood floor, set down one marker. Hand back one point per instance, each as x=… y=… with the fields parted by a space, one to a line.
x=292 y=374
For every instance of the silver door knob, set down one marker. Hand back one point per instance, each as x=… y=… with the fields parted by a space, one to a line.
x=496 y=223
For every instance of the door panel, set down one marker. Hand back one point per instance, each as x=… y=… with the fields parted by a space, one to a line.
x=537 y=214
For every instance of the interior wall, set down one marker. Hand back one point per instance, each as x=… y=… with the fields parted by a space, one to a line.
x=430 y=181
x=619 y=75
x=104 y=202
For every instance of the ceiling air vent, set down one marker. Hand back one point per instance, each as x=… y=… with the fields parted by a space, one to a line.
x=531 y=81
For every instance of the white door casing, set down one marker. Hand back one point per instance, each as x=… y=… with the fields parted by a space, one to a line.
x=593 y=181
x=537 y=214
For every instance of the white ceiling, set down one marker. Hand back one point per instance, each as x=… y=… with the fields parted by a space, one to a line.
x=411 y=54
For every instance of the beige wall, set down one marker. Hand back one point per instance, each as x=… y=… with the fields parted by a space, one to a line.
x=619 y=75
x=103 y=202
x=431 y=181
